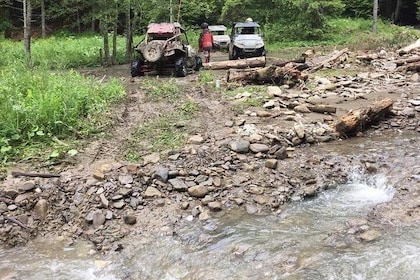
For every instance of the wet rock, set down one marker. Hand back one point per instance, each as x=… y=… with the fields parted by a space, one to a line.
x=251 y=209
x=152 y=192
x=11 y=192
x=41 y=209
x=196 y=139
x=178 y=184
x=281 y=153
x=162 y=174
x=259 y=148
x=371 y=167
x=203 y=216
x=271 y=163
x=215 y=206
x=27 y=186
x=198 y=191
x=98 y=218
x=130 y=219
x=370 y=235
x=239 y=146
x=125 y=179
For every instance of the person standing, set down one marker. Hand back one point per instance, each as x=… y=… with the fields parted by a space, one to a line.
x=205 y=43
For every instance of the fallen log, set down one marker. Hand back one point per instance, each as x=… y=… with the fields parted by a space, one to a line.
x=409 y=48
x=415 y=67
x=319 y=108
x=360 y=119
x=42 y=175
x=407 y=61
x=328 y=61
x=271 y=74
x=237 y=64
x=281 y=63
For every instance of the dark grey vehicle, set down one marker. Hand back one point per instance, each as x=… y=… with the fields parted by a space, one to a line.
x=246 y=40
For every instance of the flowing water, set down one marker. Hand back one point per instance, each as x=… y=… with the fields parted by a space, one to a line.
x=312 y=239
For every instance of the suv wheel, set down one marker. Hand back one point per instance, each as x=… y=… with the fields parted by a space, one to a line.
x=180 y=67
x=136 y=68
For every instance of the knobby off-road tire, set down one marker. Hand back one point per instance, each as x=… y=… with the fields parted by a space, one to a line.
x=136 y=68
x=180 y=67
x=153 y=51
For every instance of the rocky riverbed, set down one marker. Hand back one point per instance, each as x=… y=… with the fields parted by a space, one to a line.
x=258 y=159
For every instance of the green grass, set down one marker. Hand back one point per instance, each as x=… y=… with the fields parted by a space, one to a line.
x=168 y=131
x=40 y=106
x=156 y=89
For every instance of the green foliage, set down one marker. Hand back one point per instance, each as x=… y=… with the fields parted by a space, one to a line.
x=205 y=76
x=418 y=9
x=37 y=106
x=358 y=8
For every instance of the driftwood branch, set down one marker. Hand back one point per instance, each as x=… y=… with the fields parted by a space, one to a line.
x=42 y=175
x=409 y=48
x=415 y=67
x=281 y=63
x=407 y=61
x=322 y=109
x=271 y=74
x=16 y=221
x=327 y=61
x=359 y=120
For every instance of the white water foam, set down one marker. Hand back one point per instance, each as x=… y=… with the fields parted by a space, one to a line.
x=368 y=189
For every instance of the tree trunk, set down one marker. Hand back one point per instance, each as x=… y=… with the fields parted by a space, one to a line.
x=375 y=15
x=238 y=64
x=128 y=36
x=114 y=43
x=107 y=58
x=27 y=11
x=43 y=27
x=359 y=120
x=397 y=11
x=328 y=61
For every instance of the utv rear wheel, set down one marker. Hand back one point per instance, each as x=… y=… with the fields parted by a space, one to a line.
x=180 y=67
x=153 y=51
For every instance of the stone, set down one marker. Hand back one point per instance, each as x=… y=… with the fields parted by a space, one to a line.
x=117 y=197
x=130 y=219
x=12 y=207
x=125 y=179
x=198 y=191
x=118 y=204
x=162 y=174
x=196 y=139
x=178 y=184
x=274 y=91
x=26 y=186
x=281 y=153
x=372 y=168
x=259 y=148
x=98 y=175
x=41 y=209
x=22 y=197
x=152 y=158
x=301 y=109
x=408 y=112
x=152 y=192
x=263 y=114
x=217 y=182
x=185 y=205
x=370 y=235
x=239 y=146
x=414 y=102
x=300 y=130
x=125 y=192
x=215 y=206
x=269 y=104
x=271 y=163
x=203 y=216
x=160 y=202
x=98 y=218
x=109 y=215
x=251 y=209
x=104 y=200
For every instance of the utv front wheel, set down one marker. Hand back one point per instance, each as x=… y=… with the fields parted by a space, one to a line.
x=180 y=67
x=136 y=68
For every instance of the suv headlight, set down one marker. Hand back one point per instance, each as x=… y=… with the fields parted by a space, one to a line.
x=259 y=45
x=240 y=44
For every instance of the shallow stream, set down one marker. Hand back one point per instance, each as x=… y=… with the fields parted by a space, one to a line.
x=312 y=239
